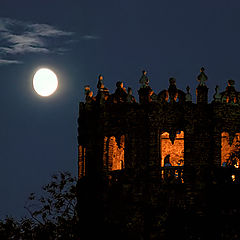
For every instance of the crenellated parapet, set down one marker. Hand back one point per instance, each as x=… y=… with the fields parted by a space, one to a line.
x=164 y=151
x=111 y=116
x=170 y=95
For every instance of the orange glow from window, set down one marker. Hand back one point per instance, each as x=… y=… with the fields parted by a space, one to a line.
x=114 y=153
x=175 y=150
x=81 y=161
x=227 y=149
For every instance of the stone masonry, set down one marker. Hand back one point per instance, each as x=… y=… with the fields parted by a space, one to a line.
x=159 y=169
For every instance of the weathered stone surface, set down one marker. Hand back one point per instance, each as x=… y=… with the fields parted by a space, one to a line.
x=123 y=183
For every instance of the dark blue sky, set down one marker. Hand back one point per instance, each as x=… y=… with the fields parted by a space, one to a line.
x=81 y=39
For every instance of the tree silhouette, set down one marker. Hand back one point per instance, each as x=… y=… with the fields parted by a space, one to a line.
x=52 y=214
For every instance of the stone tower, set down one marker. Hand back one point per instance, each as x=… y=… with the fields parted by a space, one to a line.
x=160 y=168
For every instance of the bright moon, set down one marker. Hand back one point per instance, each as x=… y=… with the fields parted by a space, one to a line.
x=45 y=82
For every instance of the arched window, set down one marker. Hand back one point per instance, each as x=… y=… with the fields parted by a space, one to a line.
x=172 y=154
x=228 y=148
x=114 y=153
x=81 y=161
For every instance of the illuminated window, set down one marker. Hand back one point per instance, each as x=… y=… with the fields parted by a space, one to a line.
x=114 y=153
x=172 y=154
x=227 y=150
x=81 y=161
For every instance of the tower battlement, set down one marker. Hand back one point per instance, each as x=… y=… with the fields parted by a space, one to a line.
x=162 y=152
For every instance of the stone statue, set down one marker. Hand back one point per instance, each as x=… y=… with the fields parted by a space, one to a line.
x=188 y=97
x=88 y=94
x=86 y=90
x=230 y=95
x=100 y=84
x=217 y=96
x=231 y=83
x=144 y=81
x=172 y=90
x=120 y=94
x=202 y=77
x=130 y=97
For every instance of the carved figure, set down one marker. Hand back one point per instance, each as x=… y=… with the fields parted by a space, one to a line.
x=88 y=94
x=217 y=96
x=144 y=81
x=230 y=95
x=172 y=90
x=130 y=97
x=120 y=94
x=100 y=84
x=202 y=77
x=86 y=90
x=188 y=97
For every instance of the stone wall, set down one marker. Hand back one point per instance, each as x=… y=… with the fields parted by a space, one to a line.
x=122 y=142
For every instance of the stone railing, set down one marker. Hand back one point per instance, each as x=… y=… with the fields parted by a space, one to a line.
x=175 y=175
x=172 y=175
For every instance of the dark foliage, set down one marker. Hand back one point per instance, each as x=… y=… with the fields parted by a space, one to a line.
x=52 y=215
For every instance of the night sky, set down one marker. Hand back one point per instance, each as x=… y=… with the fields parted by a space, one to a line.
x=79 y=40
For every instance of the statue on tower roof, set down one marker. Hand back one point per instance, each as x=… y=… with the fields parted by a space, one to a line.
x=144 y=81
x=217 y=95
x=188 y=97
x=100 y=84
x=130 y=97
x=202 y=77
x=103 y=92
x=88 y=94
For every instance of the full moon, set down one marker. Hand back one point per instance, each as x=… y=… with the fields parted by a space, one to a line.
x=45 y=82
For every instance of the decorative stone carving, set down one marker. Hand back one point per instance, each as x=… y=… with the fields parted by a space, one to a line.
x=188 y=97
x=120 y=94
x=172 y=94
x=130 y=97
x=144 y=81
x=103 y=92
x=87 y=90
x=202 y=90
x=145 y=92
x=217 y=95
x=100 y=84
x=163 y=96
x=230 y=95
x=154 y=97
x=202 y=77
x=88 y=94
x=172 y=90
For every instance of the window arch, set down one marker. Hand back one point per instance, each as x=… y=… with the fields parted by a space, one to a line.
x=228 y=147
x=172 y=154
x=114 y=153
